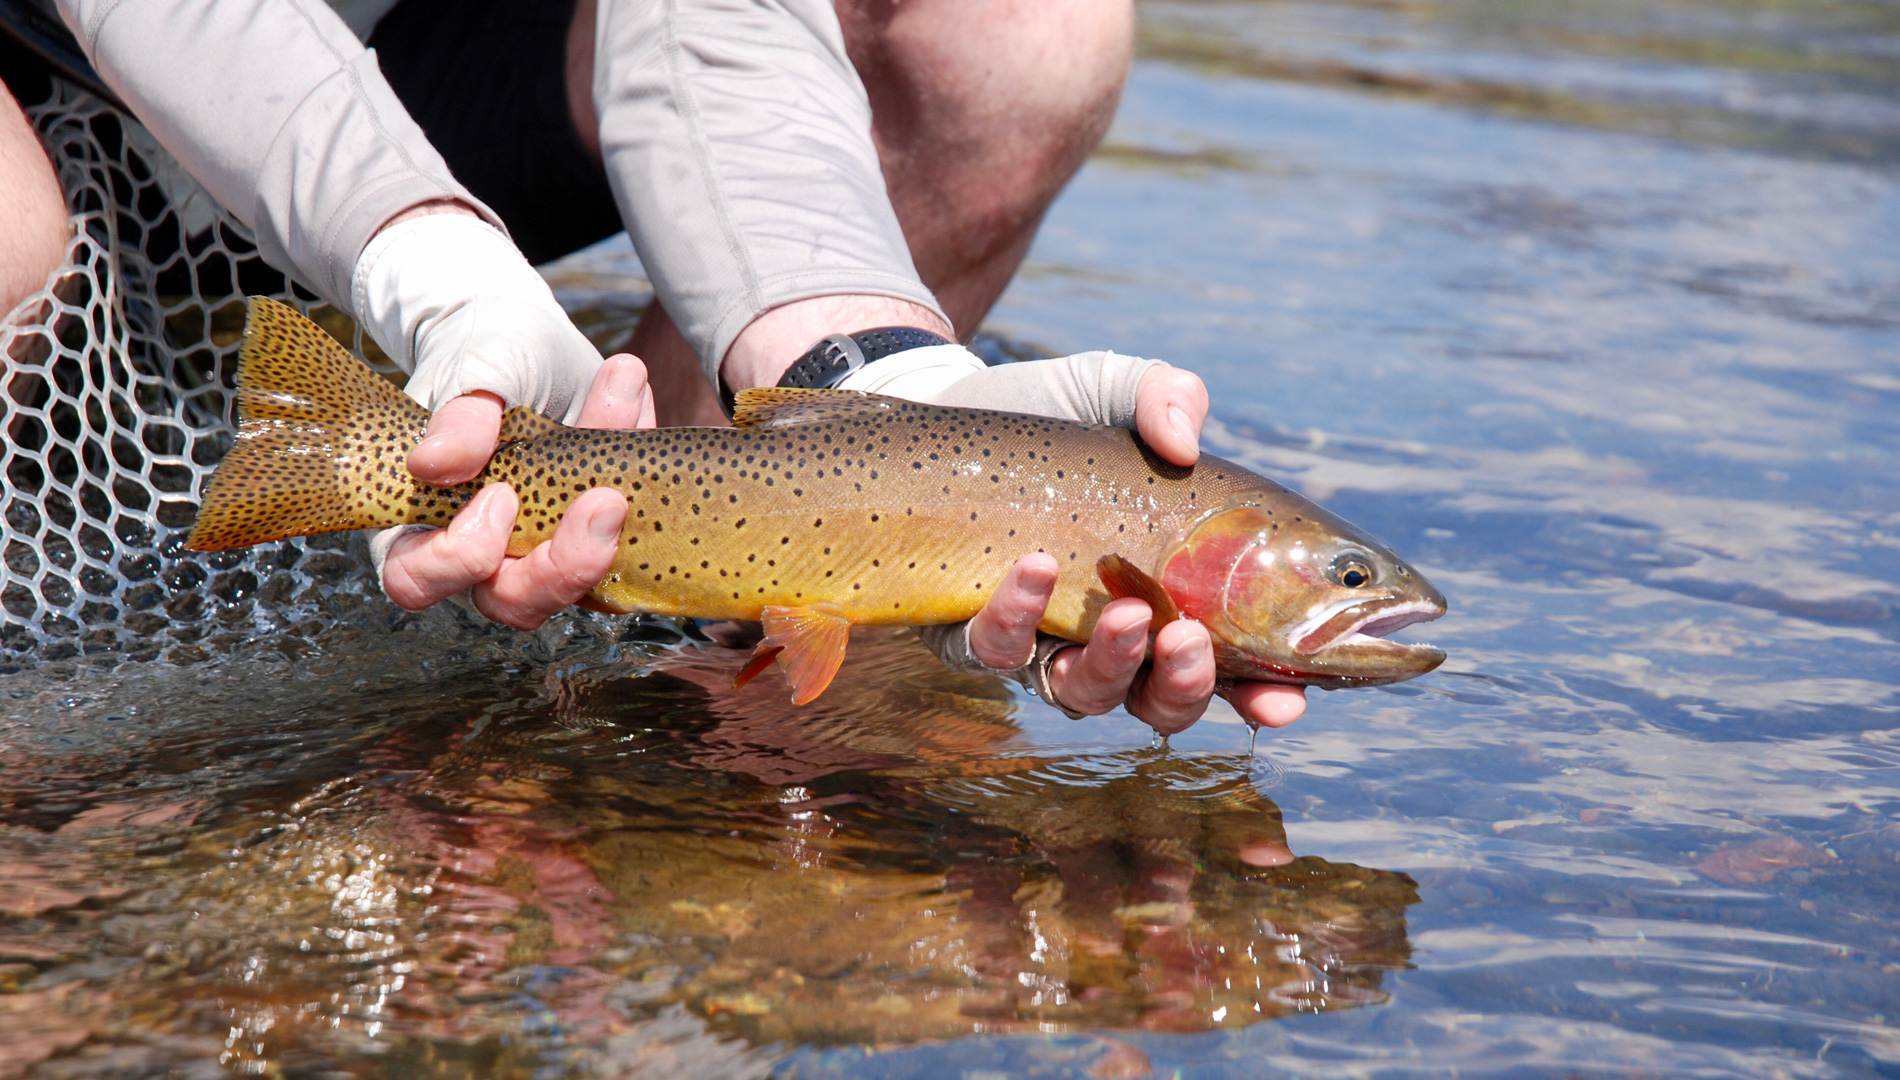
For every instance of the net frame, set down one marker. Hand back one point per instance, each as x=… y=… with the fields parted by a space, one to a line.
x=117 y=399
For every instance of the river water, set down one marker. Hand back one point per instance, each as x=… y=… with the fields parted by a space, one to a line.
x=1592 y=309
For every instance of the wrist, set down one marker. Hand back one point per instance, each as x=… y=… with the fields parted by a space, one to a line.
x=774 y=341
x=423 y=264
x=429 y=209
x=919 y=374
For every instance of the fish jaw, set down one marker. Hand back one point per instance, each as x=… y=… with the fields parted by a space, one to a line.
x=1355 y=621
x=1374 y=662
x=1344 y=643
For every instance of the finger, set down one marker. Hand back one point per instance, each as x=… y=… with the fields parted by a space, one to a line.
x=1266 y=704
x=559 y=571
x=425 y=568
x=620 y=397
x=460 y=440
x=1175 y=692
x=1170 y=406
x=1003 y=634
x=1095 y=678
x=1259 y=852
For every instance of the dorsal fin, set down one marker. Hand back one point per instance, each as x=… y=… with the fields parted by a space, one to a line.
x=1123 y=578
x=521 y=422
x=778 y=406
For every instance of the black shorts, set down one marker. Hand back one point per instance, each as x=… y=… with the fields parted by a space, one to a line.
x=487 y=80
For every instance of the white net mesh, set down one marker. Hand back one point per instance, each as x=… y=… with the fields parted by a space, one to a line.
x=118 y=399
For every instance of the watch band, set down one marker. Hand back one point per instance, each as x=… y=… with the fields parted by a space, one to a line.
x=833 y=359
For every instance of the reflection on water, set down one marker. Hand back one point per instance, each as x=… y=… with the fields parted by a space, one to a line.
x=1591 y=309
x=641 y=855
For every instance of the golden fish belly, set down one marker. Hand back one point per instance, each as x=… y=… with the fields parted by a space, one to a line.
x=905 y=515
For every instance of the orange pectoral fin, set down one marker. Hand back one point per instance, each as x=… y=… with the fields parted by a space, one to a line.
x=808 y=642
x=1123 y=578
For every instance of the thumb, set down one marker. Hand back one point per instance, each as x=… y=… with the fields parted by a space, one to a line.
x=1170 y=407
x=460 y=439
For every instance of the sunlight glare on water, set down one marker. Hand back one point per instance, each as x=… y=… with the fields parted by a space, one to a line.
x=1591 y=310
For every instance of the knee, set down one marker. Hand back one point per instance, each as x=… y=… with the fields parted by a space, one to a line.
x=34 y=226
x=1036 y=80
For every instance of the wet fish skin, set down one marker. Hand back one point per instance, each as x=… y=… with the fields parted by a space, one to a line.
x=819 y=510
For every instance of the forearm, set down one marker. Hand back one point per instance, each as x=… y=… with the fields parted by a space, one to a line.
x=737 y=138
x=278 y=110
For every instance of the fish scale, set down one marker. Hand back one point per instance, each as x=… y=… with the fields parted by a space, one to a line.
x=819 y=510
x=905 y=513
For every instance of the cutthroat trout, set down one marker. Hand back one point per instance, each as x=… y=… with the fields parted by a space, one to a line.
x=820 y=509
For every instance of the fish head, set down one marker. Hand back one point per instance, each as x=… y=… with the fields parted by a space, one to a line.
x=1292 y=593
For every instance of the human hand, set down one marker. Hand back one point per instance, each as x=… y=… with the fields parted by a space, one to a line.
x=453 y=302
x=1167 y=406
x=420 y=566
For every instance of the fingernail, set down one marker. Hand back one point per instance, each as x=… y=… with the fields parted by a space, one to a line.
x=627 y=377
x=1192 y=653
x=604 y=527
x=428 y=451
x=1178 y=420
x=1128 y=636
x=466 y=524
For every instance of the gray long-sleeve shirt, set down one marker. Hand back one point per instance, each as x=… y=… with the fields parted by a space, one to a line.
x=736 y=136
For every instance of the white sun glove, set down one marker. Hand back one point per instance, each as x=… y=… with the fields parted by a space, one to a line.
x=1094 y=387
x=455 y=304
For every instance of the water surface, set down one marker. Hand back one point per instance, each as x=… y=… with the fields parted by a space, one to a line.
x=1591 y=309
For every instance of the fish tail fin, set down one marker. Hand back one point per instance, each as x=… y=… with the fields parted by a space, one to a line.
x=322 y=442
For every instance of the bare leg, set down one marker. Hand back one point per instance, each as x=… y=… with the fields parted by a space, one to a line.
x=33 y=222
x=681 y=395
x=982 y=110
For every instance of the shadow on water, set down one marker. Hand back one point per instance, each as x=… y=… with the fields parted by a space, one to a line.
x=631 y=865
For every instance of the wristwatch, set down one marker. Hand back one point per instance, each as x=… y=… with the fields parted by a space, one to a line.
x=835 y=357
x=829 y=362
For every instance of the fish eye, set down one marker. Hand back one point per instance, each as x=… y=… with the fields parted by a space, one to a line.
x=1352 y=571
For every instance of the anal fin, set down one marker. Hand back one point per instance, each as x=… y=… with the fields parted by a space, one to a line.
x=808 y=642
x=1123 y=578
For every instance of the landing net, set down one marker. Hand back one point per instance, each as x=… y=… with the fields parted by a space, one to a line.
x=118 y=400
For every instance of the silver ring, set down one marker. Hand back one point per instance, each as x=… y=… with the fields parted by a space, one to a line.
x=951 y=643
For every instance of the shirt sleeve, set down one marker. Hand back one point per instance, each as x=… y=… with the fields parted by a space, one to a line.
x=737 y=139
x=280 y=112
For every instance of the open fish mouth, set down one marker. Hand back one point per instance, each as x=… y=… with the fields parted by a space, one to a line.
x=1363 y=622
